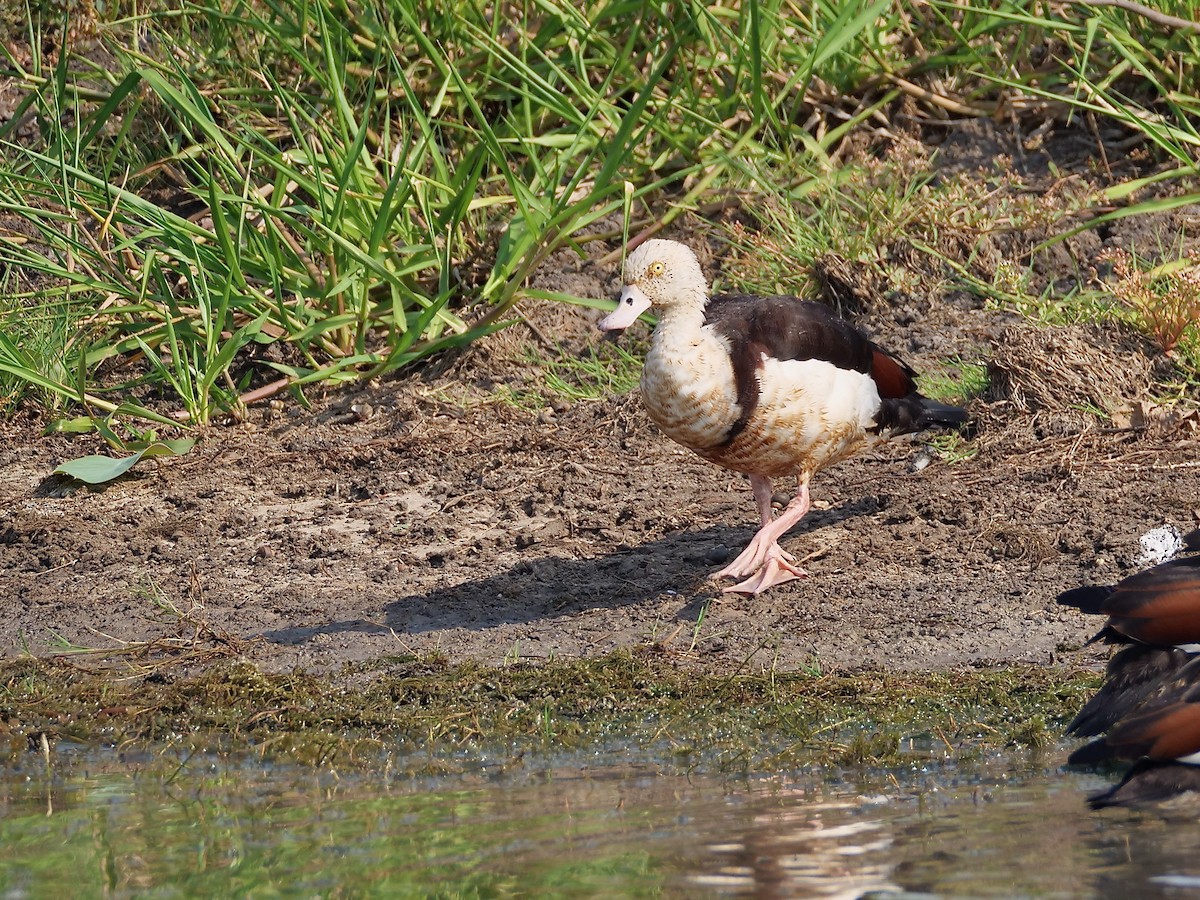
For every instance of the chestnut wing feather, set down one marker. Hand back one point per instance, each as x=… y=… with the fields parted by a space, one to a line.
x=1158 y=606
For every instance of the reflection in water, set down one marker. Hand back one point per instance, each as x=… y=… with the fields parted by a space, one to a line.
x=808 y=850
x=1018 y=831
x=996 y=828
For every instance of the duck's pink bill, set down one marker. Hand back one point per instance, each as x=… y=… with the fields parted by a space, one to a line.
x=631 y=305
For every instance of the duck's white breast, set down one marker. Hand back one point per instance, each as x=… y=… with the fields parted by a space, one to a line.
x=688 y=390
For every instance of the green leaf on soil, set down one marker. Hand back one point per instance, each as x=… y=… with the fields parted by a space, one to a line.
x=102 y=469
x=77 y=425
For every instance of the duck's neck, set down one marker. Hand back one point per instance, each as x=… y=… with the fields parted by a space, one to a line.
x=682 y=321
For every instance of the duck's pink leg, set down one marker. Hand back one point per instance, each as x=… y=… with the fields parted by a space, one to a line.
x=764 y=560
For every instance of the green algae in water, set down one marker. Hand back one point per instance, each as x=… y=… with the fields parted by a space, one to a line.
x=621 y=775
x=739 y=722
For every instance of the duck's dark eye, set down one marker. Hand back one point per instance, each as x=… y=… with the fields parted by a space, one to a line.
x=629 y=301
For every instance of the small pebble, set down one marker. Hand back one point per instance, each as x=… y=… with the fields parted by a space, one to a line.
x=717 y=554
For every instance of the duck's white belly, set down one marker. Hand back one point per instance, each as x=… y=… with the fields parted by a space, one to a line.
x=809 y=414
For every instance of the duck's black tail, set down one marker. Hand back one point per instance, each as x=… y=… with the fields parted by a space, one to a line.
x=916 y=412
x=1088 y=599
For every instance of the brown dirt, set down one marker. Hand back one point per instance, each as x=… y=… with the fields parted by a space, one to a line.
x=426 y=514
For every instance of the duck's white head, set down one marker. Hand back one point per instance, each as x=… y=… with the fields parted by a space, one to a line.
x=663 y=274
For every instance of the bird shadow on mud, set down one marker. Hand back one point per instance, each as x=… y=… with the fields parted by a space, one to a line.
x=551 y=587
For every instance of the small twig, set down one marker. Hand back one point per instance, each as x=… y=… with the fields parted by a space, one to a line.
x=941 y=734
x=816 y=554
x=539 y=334
x=947 y=103
x=1160 y=18
x=260 y=393
x=670 y=638
x=267 y=390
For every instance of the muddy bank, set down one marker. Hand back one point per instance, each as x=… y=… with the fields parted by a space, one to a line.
x=447 y=520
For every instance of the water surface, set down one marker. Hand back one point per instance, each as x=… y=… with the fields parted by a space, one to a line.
x=99 y=824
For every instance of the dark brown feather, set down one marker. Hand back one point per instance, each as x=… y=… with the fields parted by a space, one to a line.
x=789 y=328
x=1132 y=677
x=1165 y=719
x=1157 y=606
x=746 y=360
x=1149 y=704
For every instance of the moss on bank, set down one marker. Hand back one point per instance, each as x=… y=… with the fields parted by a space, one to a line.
x=398 y=707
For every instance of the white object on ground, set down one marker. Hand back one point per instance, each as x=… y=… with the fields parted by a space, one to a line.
x=1158 y=545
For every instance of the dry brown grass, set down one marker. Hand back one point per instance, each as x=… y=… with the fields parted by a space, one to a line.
x=1165 y=301
x=1063 y=379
